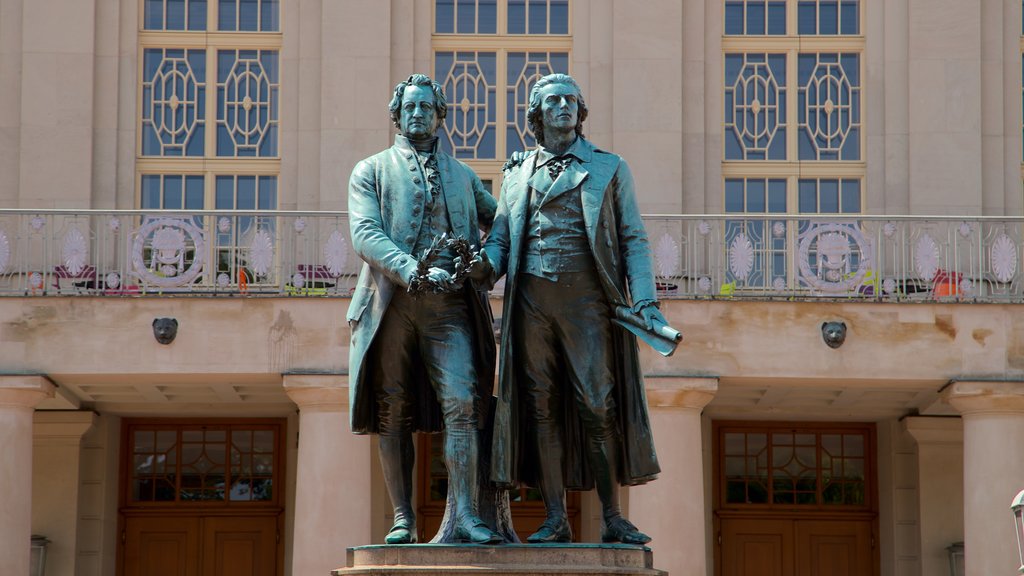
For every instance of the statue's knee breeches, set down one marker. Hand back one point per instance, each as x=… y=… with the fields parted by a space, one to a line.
x=458 y=406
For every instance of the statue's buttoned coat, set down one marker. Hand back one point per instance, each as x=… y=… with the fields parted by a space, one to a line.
x=386 y=201
x=621 y=252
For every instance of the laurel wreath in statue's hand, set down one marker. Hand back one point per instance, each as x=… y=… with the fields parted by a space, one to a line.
x=425 y=280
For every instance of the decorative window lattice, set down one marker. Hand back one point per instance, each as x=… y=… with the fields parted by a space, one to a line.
x=755 y=106
x=806 y=468
x=247 y=107
x=469 y=80
x=173 y=102
x=829 y=115
x=524 y=69
x=488 y=88
x=203 y=464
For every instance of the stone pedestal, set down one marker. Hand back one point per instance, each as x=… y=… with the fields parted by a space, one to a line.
x=505 y=560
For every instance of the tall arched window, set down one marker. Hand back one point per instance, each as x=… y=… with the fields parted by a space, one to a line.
x=793 y=126
x=208 y=133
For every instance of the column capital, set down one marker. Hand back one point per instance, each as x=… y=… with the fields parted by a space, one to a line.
x=317 y=392
x=61 y=426
x=666 y=392
x=25 y=390
x=935 y=430
x=971 y=397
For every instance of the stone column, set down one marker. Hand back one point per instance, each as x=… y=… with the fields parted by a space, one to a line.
x=332 y=481
x=993 y=417
x=940 y=470
x=672 y=508
x=18 y=396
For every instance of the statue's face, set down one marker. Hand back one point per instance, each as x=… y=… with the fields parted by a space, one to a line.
x=559 y=107
x=418 y=116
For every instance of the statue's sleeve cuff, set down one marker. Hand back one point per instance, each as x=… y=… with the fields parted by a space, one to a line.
x=640 y=305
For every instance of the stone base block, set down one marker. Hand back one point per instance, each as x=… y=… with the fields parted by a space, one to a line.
x=503 y=560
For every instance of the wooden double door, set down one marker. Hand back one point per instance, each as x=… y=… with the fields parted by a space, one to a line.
x=201 y=546
x=202 y=497
x=796 y=547
x=795 y=499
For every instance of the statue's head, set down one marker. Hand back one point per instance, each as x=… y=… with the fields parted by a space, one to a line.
x=418 y=107
x=165 y=329
x=555 y=89
x=833 y=333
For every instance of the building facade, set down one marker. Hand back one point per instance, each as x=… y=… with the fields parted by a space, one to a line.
x=833 y=193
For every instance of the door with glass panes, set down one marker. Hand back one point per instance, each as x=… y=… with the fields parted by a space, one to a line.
x=795 y=499
x=202 y=497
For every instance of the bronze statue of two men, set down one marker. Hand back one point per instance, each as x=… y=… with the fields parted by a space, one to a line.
x=566 y=233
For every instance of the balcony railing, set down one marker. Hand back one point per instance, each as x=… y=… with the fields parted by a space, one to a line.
x=302 y=254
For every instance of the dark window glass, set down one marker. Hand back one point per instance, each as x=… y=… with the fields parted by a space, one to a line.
x=559 y=23
x=734 y=195
x=777 y=196
x=755 y=196
x=755 y=18
x=517 y=16
x=226 y=15
x=734 y=18
x=851 y=197
x=444 y=16
x=807 y=18
x=538 y=14
x=777 y=18
x=175 y=15
x=488 y=17
x=828 y=18
x=808 y=197
x=828 y=196
x=467 y=17
x=153 y=18
x=850 y=19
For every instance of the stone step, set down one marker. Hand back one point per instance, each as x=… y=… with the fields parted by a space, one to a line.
x=502 y=560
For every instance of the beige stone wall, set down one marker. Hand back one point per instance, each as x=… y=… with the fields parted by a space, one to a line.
x=738 y=341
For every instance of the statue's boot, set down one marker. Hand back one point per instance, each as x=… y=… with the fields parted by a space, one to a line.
x=551 y=483
x=462 y=456
x=618 y=529
x=604 y=461
x=397 y=458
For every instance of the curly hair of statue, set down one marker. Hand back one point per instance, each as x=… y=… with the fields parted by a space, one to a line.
x=440 y=102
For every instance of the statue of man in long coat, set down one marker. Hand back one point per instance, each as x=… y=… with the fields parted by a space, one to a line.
x=417 y=362
x=568 y=236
